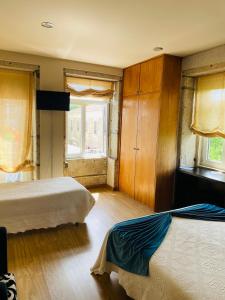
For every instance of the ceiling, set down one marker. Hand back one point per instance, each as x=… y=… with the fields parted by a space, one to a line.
x=111 y=32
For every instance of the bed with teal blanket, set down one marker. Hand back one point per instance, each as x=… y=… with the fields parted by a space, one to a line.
x=179 y=254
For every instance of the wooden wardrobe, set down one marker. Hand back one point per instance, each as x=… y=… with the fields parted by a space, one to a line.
x=148 y=147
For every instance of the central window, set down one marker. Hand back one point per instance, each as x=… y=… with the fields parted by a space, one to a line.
x=87 y=127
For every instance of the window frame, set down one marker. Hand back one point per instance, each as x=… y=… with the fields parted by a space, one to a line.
x=84 y=103
x=202 y=155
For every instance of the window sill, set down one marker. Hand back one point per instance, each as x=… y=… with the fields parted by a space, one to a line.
x=204 y=173
x=88 y=157
x=210 y=167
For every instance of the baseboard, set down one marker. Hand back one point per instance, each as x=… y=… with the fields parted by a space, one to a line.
x=106 y=186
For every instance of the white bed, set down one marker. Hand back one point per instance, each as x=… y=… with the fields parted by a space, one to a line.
x=43 y=203
x=189 y=264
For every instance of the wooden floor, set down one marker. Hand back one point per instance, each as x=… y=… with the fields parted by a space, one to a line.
x=54 y=264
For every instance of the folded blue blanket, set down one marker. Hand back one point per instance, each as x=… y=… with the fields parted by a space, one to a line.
x=132 y=243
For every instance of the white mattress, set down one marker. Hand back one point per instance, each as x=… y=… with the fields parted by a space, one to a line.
x=43 y=203
x=189 y=264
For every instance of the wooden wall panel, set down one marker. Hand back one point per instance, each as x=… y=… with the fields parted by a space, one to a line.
x=128 y=143
x=148 y=120
x=167 y=139
x=149 y=124
x=151 y=75
x=131 y=80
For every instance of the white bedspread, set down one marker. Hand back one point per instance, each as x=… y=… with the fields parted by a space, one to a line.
x=189 y=264
x=43 y=203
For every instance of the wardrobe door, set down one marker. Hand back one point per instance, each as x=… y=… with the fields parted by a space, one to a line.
x=151 y=75
x=148 y=121
x=131 y=80
x=128 y=143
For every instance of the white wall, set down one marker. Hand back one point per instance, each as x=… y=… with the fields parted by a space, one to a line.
x=52 y=129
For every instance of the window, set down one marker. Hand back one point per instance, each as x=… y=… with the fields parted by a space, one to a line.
x=212 y=152
x=86 y=128
x=87 y=120
x=209 y=120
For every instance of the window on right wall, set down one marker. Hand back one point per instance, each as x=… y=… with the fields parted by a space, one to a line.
x=209 y=120
x=211 y=153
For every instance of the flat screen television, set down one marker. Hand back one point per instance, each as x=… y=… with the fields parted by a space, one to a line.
x=51 y=100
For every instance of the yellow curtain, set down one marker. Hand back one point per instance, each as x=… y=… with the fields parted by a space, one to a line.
x=16 y=95
x=209 y=107
x=83 y=87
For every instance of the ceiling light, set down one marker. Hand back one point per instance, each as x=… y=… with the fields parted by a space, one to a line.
x=47 y=24
x=158 y=48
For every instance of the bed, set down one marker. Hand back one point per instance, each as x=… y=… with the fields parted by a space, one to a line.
x=43 y=203
x=189 y=264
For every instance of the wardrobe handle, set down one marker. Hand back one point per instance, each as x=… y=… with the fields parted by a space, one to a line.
x=136 y=148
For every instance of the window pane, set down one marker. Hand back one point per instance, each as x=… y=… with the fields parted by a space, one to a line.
x=74 y=130
x=95 y=131
x=215 y=149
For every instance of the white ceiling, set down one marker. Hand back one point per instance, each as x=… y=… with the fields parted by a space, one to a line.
x=116 y=33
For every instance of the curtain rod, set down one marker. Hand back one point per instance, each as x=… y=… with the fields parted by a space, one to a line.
x=18 y=66
x=94 y=75
x=204 y=70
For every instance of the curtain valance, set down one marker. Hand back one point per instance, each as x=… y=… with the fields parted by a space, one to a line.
x=83 y=87
x=209 y=106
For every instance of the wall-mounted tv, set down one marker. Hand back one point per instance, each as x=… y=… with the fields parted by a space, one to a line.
x=51 y=100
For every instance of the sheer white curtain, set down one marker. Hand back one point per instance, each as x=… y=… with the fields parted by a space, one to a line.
x=16 y=104
x=209 y=106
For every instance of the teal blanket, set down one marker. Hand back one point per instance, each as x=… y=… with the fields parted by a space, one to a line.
x=132 y=243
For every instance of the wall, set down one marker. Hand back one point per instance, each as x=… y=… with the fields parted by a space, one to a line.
x=89 y=172
x=187 y=140
x=205 y=59
x=206 y=62
x=112 y=163
x=52 y=124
